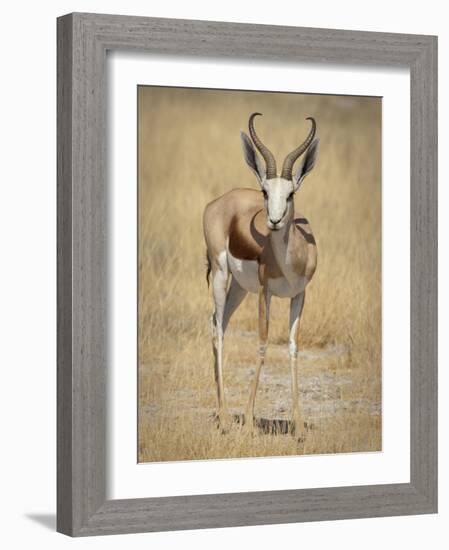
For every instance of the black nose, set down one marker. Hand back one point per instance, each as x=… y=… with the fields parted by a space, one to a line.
x=275 y=222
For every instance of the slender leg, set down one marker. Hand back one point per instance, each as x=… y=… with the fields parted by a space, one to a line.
x=233 y=299
x=219 y=284
x=296 y=306
x=264 y=315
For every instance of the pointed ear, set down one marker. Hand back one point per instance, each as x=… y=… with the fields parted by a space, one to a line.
x=307 y=164
x=252 y=158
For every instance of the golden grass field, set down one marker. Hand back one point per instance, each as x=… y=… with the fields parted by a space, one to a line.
x=189 y=154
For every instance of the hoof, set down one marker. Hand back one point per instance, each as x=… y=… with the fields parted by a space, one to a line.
x=223 y=422
x=249 y=422
x=298 y=430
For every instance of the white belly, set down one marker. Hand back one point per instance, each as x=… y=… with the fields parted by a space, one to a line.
x=282 y=288
x=246 y=272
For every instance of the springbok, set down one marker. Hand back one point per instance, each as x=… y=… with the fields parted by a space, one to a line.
x=258 y=241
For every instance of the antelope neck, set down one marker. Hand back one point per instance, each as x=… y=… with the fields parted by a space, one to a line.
x=280 y=241
x=282 y=235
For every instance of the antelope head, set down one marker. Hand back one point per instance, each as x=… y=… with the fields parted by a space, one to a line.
x=279 y=191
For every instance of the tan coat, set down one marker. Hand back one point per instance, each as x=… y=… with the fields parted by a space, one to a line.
x=236 y=223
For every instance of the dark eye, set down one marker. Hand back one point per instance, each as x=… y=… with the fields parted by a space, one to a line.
x=265 y=194
x=290 y=197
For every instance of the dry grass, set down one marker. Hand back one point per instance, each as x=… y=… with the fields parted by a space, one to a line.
x=189 y=153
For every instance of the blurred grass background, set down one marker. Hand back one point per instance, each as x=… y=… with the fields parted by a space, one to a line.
x=189 y=154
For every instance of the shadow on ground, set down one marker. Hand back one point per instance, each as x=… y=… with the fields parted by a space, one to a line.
x=271 y=426
x=46 y=520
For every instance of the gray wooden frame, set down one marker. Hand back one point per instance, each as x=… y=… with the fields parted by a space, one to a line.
x=83 y=40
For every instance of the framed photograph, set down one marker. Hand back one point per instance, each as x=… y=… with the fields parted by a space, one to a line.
x=247 y=274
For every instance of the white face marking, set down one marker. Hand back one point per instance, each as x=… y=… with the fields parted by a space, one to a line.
x=278 y=193
x=246 y=272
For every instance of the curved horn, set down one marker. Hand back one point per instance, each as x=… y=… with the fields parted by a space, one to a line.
x=291 y=158
x=270 y=161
